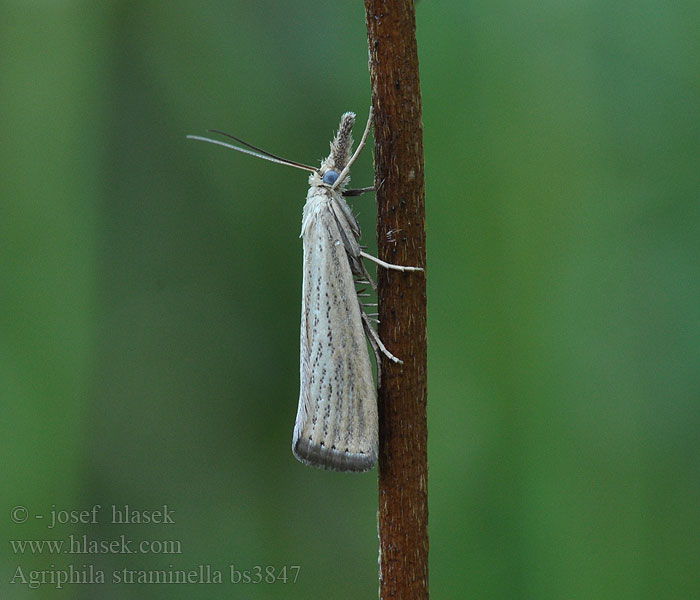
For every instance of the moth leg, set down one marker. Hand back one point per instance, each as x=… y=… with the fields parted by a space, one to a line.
x=374 y=339
x=387 y=265
x=366 y=276
x=377 y=355
x=358 y=191
x=346 y=170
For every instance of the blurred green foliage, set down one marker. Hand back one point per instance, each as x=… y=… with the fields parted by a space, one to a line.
x=150 y=292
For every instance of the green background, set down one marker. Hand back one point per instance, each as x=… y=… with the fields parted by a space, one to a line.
x=151 y=288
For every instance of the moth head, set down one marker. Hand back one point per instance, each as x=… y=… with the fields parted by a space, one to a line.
x=330 y=177
x=341 y=151
x=336 y=164
x=327 y=176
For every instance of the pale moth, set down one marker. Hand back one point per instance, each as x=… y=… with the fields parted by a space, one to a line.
x=336 y=425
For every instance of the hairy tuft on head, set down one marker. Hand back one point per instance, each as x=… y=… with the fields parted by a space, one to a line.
x=341 y=146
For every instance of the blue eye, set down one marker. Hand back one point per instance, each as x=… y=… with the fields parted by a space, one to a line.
x=330 y=177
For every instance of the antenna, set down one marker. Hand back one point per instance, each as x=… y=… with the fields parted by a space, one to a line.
x=252 y=151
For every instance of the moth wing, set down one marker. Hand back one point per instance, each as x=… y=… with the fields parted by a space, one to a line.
x=336 y=426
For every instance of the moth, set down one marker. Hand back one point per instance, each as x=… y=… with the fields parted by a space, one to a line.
x=336 y=424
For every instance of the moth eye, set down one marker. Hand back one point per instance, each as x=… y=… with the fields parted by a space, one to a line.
x=330 y=177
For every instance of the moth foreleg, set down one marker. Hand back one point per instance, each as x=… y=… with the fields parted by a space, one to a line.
x=358 y=191
x=344 y=173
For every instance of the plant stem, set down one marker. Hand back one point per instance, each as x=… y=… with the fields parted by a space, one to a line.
x=398 y=156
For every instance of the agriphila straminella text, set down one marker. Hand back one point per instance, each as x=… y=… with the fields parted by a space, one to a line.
x=336 y=426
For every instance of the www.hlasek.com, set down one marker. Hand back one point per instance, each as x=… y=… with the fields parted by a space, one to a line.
x=204 y=574
x=83 y=544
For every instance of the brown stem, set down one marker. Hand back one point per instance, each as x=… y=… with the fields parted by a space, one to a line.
x=398 y=155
